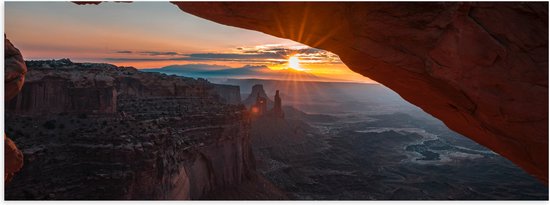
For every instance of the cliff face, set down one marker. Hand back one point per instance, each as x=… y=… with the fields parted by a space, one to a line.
x=229 y=93
x=56 y=95
x=112 y=162
x=167 y=137
x=482 y=68
x=65 y=87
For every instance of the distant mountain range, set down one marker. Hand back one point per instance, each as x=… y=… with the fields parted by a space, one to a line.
x=226 y=72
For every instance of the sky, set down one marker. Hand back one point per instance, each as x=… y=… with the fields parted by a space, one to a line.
x=149 y=35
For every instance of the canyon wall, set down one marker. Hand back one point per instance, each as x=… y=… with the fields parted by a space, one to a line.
x=117 y=133
x=61 y=86
x=56 y=95
x=156 y=164
x=482 y=68
x=229 y=93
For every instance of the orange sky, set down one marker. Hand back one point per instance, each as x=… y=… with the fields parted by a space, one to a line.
x=153 y=35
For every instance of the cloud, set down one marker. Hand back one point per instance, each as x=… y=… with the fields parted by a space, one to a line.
x=194 y=67
x=247 y=71
x=236 y=56
x=134 y=59
x=200 y=59
x=159 y=53
x=149 y=53
x=123 y=51
x=264 y=54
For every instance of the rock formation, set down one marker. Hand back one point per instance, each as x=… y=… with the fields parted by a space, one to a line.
x=260 y=107
x=167 y=137
x=277 y=110
x=14 y=70
x=229 y=93
x=257 y=91
x=262 y=104
x=14 y=76
x=13 y=159
x=61 y=86
x=482 y=68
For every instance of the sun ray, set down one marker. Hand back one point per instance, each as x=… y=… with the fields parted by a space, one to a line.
x=303 y=22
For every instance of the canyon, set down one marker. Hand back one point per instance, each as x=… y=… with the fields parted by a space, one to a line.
x=481 y=68
x=98 y=131
x=370 y=147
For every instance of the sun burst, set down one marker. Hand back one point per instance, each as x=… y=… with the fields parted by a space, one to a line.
x=294 y=63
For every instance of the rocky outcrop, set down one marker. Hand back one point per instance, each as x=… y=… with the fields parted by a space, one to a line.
x=229 y=93
x=13 y=159
x=57 y=95
x=14 y=70
x=14 y=76
x=482 y=68
x=61 y=86
x=257 y=91
x=167 y=138
x=277 y=106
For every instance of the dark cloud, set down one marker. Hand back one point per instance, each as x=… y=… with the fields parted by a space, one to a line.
x=289 y=51
x=252 y=51
x=160 y=53
x=254 y=55
x=197 y=59
x=123 y=51
x=311 y=51
x=134 y=59
x=236 y=56
x=151 y=53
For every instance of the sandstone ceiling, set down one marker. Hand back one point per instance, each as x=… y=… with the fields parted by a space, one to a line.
x=481 y=68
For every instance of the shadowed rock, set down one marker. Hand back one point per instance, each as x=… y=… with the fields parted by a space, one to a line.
x=119 y=133
x=14 y=74
x=257 y=91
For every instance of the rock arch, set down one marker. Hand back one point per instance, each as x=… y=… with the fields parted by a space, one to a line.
x=481 y=68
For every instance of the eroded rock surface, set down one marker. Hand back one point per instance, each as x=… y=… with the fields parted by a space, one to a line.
x=230 y=94
x=482 y=68
x=168 y=137
x=257 y=90
x=14 y=76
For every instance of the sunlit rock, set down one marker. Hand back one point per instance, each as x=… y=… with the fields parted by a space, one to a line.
x=14 y=76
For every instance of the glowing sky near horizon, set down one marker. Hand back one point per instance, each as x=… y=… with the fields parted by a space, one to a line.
x=153 y=35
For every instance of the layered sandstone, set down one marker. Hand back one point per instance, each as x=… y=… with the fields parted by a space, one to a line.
x=482 y=68
x=229 y=93
x=61 y=86
x=139 y=135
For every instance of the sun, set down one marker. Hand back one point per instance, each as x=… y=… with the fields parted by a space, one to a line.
x=294 y=63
